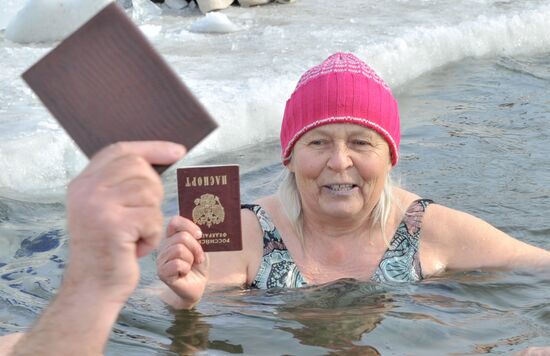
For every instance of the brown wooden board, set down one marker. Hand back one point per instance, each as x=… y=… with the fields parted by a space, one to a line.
x=106 y=83
x=210 y=197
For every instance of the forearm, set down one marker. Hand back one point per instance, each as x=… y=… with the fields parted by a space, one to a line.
x=532 y=258
x=113 y=217
x=77 y=322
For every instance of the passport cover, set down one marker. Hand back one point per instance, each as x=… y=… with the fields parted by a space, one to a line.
x=106 y=83
x=210 y=197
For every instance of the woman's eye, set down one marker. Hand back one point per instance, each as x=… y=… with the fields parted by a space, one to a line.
x=361 y=142
x=317 y=142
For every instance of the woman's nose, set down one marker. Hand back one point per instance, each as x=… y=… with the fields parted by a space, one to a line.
x=340 y=158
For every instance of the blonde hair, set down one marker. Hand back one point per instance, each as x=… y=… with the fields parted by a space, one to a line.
x=289 y=196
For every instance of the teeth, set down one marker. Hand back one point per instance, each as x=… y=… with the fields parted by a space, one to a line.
x=340 y=187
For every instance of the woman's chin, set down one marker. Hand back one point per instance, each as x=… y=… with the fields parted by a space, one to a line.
x=341 y=210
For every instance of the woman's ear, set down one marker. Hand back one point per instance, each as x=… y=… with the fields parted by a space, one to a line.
x=290 y=166
x=389 y=165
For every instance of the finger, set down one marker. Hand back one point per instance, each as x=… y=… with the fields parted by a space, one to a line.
x=149 y=229
x=174 y=269
x=177 y=251
x=169 y=245
x=179 y=223
x=193 y=254
x=127 y=178
x=154 y=152
x=172 y=246
x=138 y=192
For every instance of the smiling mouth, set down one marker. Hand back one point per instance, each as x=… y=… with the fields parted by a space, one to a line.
x=340 y=188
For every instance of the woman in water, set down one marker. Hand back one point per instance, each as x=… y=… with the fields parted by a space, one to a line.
x=337 y=213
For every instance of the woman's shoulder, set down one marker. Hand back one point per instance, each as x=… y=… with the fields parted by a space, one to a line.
x=434 y=222
x=444 y=227
x=261 y=209
x=404 y=198
x=273 y=213
x=268 y=202
x=266 y=207
x=435 y=219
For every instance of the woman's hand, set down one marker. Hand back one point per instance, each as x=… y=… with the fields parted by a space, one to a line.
x=182 y=264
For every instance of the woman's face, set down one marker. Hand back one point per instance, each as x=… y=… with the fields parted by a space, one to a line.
x=340 y=170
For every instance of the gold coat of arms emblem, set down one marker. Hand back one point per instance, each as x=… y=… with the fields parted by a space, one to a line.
x=208 y=210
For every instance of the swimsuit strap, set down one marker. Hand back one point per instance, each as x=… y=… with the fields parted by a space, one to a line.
x=401 y=262
x=277 y=268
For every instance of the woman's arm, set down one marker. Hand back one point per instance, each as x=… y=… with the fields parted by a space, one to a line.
x=461 y=241
x=186 y=274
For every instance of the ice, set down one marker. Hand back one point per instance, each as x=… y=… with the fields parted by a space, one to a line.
x=51 y=20
x=214 y=22
x=176 y=4
x=8 y=10
x=144 y=10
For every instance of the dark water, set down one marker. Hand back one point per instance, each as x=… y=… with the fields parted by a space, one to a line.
x=475 y=137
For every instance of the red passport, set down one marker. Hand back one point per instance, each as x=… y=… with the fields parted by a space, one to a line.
x=210 y=197
x=106 y=83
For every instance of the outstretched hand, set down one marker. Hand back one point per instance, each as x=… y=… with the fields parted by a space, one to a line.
x=114 y=215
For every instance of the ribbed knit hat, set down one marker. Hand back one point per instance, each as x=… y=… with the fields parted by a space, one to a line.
x=342 y=89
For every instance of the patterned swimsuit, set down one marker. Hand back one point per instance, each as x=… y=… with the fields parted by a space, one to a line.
x=400 y=262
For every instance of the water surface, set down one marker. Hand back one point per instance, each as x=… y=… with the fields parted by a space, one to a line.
x=472 y=83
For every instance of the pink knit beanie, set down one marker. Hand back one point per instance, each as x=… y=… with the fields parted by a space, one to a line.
x=342 y=89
